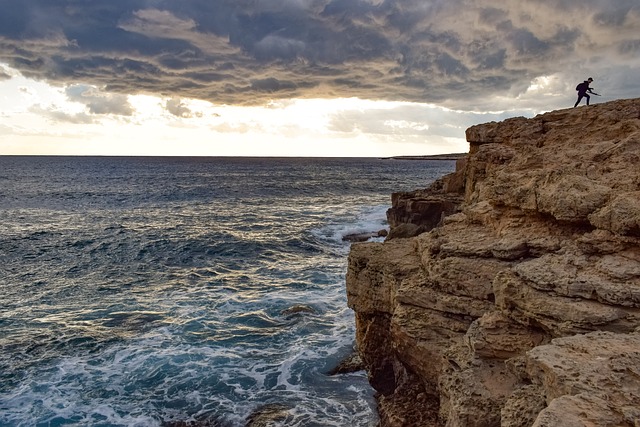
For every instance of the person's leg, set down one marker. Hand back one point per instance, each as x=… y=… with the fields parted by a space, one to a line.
x=578 y=101
x=588 y=97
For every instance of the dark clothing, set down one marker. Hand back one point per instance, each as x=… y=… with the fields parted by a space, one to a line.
x=582 y=89
x=580 y=96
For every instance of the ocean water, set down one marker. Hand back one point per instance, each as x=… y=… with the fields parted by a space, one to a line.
x=185 y=291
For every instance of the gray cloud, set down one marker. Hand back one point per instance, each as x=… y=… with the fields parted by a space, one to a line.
x=60 y=116
x=98 y=102
x=415 y=120
x=451 y=52
x=176 y=107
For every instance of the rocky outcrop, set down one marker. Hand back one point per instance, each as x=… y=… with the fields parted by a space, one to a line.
x=508 y=293
x=415 y=212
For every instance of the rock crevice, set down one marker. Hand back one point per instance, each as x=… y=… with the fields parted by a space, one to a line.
x=508 y=293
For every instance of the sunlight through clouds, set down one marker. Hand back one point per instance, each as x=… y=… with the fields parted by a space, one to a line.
x=82 y=119
x=378 y=78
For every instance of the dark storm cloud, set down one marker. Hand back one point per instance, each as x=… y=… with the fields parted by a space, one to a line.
x=251 y=51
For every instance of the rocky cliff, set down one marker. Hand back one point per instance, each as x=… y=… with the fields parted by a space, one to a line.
x=508 y=293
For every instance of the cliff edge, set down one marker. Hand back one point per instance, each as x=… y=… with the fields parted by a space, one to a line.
x=508 y=293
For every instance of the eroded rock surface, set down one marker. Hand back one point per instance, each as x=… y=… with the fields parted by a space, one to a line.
x=508 y=293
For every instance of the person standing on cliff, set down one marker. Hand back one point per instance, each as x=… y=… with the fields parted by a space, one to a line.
x=582 y=89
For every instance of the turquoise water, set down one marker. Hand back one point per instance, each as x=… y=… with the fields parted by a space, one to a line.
x=159 y=291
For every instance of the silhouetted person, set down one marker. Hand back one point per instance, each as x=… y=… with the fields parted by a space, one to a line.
x=582 y=89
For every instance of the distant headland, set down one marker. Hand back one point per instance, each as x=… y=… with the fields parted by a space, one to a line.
x=450 y=156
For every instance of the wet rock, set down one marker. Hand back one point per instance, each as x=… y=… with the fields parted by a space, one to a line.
x=267 y=415
x=297 y=310
x=363 y=237
x=351 y=363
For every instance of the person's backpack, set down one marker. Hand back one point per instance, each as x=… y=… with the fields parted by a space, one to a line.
x=580 y=87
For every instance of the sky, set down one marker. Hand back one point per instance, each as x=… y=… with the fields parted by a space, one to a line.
x=329 y=78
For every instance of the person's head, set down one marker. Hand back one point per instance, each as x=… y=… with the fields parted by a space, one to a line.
x=589 y=79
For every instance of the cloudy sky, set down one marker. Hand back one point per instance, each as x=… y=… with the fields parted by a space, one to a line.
x=297 y=77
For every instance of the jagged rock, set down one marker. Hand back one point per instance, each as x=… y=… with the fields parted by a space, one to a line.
x=416 y=212
x=363 y=237
x=267 y=415
x=535 y=236
x=351 y=363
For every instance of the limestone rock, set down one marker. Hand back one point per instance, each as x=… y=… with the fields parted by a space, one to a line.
x=375 y=272
x=621 y=215
x=570 y=197
x=416 y=212
x=591 y=379
x=508 y=293
x=523 y=406
x=495 y=336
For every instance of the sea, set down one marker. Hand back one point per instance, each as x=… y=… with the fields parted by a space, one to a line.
x=173 y=291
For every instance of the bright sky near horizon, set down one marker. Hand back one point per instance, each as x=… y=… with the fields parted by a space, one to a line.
x=297 y=77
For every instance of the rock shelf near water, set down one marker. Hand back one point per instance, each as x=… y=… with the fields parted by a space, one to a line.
x=508 y=293
x=363 y=237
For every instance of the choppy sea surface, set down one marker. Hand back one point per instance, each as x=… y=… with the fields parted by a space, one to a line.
x=185 y=291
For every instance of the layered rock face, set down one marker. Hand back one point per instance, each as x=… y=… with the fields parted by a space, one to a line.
x=508 y=294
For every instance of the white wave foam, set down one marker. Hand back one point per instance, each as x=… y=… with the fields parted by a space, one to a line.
x=364 y=220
